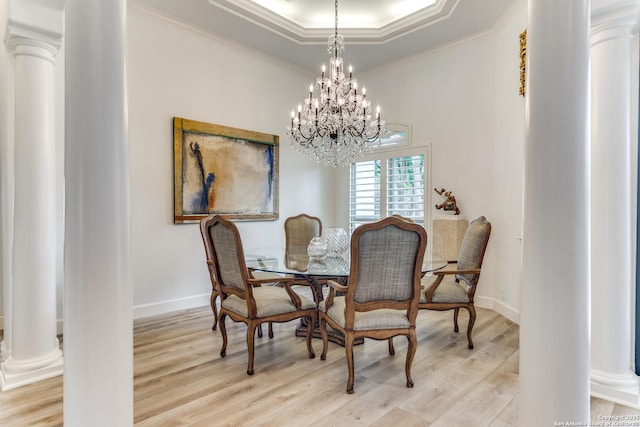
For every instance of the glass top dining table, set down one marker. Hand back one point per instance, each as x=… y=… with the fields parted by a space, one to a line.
x=298 y=263
x=314 y=273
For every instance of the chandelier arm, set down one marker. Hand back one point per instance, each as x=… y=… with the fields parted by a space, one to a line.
x=308 y=138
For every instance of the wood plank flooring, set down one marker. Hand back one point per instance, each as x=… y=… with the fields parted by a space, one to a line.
x=181 y=380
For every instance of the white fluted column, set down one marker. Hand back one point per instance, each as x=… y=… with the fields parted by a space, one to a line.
x=34 y=36
x=98 y=320
x=554 y=316
x=6 y=184
x=611 y=270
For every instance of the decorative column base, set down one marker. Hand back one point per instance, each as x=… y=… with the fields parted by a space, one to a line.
x=16 y=373
x=623 y=389
x=5 y=351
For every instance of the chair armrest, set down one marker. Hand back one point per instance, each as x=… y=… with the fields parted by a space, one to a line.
x=333 y=287
x=259 y=282
x=428 y=293
x=295 y=298
x=337 y=286
x=443 y=272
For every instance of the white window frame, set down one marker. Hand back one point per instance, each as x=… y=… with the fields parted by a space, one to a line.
x=383 y=156
x=396 y=136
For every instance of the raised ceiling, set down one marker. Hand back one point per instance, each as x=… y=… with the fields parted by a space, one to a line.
x=309 y=14
x=376 y=31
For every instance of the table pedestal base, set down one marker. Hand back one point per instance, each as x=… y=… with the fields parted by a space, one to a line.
x=333 y=335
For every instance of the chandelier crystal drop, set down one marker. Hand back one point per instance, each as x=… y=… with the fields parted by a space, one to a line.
x=335 y=125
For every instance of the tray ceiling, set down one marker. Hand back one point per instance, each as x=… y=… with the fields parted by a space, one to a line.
x=376 y=31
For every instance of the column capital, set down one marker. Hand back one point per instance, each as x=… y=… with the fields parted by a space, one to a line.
x=614 y=13
x=37 y=23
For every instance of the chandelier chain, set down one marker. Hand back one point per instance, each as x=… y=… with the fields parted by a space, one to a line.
x=336 y=28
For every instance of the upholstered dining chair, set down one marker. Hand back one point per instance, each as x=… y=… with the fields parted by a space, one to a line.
x=383 y=289
x=455 y=289
x=243 y=299
x=213 y=275
x=298 y=232
x=215 y=287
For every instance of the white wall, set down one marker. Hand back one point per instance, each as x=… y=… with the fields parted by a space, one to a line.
x=507 y=165
x=175 y=71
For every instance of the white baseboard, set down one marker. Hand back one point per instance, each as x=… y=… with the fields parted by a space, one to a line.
x=146 y=310
x=499 y=307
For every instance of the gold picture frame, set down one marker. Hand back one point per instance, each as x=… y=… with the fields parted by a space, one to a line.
x=224 y=170
x=523 y=61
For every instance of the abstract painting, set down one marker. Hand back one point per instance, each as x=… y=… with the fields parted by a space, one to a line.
x=224 y=170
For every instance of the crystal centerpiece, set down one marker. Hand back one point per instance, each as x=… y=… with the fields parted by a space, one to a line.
x=317 y=248
x=337 y=240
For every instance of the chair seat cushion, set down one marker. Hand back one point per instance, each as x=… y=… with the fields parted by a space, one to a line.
x=368 y=320
x=449 y=291
x=270 y=300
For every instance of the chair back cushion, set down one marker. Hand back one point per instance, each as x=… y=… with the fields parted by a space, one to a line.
x=386 y=259
x=225 y=245
x=473 y=247
x=299 y=230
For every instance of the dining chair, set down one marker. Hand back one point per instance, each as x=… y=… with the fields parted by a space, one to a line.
x=298 y=232
x=243 y=298
x=213 y=275
x=455 y=289
x=380 y=299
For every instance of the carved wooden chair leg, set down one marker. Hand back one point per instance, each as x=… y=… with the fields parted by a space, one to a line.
x=348 y=348
x=325 y=338
x=472 y=320
x=270 y=329
x=312 y=321
x=392 y=350
x=223 y=332
x=251 y=331
x=214 y=308
x=411 y=352
x=455 y=319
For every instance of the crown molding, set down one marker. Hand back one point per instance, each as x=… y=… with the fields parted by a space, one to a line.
x=284 y=27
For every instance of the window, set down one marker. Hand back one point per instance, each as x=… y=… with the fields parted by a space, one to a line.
x=387 y=186
x=395 y=135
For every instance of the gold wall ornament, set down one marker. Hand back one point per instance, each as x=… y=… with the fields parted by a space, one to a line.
x=523 y=61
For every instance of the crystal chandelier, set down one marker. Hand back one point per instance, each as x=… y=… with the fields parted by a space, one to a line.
x=335 y=126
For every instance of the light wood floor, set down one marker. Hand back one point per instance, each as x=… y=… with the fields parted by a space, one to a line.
x=180 y=379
